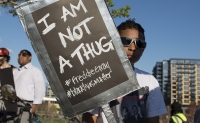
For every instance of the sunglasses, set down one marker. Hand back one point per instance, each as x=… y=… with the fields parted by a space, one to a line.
x=23 y=54
x=140 y=44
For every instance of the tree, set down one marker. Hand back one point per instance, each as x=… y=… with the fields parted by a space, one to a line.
x=121 y=12
x=9 y=4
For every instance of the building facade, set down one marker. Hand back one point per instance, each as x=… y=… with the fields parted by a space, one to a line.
x=179 y=80
x=50 y=98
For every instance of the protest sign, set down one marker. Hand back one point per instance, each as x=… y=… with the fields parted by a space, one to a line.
x=79 y=50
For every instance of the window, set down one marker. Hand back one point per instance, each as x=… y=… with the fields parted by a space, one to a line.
x=186 y=79
x=198 y=88
x=186 y=101
x=186 y=96
x=186 y=74
x=186 y=83
x=198 y=75
x=198 y=70
x=174 y=78
x=180 y=87
x=173 y=74
x=198 y=65
x=192 y=79
x=192 y=66
x=186 y=88
x=179 y=66
x=173 y=65
x=186 y=92
x=173 y=91
x=174 y=87
x=198 y=79
x=179 y=92
x=186 y=66
x=198 y=84
x=193 y=92
x=174 y=96
x=192 y=102
x=180 y=79
x=191 y=71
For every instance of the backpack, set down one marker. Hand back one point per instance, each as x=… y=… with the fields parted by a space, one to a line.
x=180 y=119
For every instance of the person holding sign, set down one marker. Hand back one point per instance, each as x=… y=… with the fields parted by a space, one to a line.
x=29 y=83
x=144 y=105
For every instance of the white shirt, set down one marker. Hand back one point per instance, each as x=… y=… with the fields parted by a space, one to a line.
x=155 y=105
x=29 y=83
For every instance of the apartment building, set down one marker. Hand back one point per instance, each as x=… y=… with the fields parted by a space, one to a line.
x=179 y=80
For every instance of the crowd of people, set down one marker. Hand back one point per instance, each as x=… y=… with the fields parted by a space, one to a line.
x=28 y=83
x=145 y=106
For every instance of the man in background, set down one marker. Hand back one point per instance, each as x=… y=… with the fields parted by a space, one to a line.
x=177 y=115
x=29 y=83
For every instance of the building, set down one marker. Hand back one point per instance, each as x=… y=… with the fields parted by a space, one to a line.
x=49 y=93
x=179 y=80
x=50 y=98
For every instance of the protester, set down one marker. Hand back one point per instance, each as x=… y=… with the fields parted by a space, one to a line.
x=4 y=59
x=29 y=83
x=177 y=115
x=150 y=104
x=8 y=106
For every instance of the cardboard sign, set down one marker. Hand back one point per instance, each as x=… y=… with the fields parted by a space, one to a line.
x=80 y=52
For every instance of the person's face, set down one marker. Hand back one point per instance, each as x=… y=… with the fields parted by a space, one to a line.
x=2 y=60
x=132 y=52
x=23 y=58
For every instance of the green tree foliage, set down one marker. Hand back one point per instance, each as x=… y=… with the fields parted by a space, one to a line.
x=9 y=5
x=121 y=12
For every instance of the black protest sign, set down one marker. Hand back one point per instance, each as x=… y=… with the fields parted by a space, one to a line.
x=80 y=48
x=80 y=52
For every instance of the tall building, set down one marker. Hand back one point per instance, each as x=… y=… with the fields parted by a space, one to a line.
x=49 y=97
x=179 y=80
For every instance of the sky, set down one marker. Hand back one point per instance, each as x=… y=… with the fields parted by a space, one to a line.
x=172 y=30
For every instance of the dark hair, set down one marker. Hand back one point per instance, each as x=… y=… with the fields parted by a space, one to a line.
x=8 y=58
x=176 y=108
x=175 y=111
x=26 y=51
x=130 y=24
